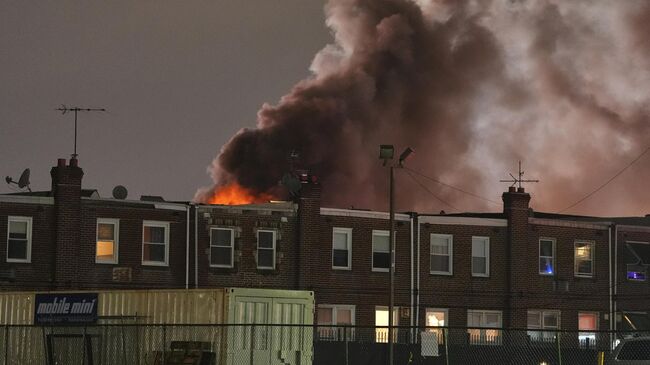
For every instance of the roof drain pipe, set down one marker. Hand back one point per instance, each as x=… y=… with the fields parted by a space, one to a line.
x=615 y=277
x=412 y=267
x=417 y=279
x=196 y=246
x=611 y=300
x=187 y=246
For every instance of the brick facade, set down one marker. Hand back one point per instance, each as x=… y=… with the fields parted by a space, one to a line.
x=64 y=234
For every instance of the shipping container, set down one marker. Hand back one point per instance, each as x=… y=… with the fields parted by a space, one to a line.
x=232 y=325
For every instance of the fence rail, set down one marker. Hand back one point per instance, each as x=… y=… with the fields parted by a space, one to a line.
x=297 y=344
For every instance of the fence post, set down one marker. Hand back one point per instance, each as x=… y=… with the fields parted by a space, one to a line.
x=6 y=344
x=559 y=351
x=445 y=339
x=165 y=345
x=83 y=344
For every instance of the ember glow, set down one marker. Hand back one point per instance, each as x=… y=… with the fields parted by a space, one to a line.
x=235 y=194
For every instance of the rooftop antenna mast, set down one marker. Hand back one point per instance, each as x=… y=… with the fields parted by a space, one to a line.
x=518 y=181
x=64 y=109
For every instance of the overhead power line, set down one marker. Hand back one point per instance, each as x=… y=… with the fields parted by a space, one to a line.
x=452 y=187
x=408 y=171
x=607 y=182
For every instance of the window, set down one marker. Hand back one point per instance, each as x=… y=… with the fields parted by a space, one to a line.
x=547 y=321
x=637 y=258
x=19 y=239
x=546 y=256
x=584 y=259
x=381 y=319
x=222 y=247
x=106 y=243
x=380 y=250
x=342 y=248
x=266 y=249
x=436 y=318
x=480 y=256
x=441 y=254
x=485 y=319
x=587 y=325
x=155 y=243
x=337 y=315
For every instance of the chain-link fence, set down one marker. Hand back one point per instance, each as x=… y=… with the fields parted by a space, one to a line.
x=319 y=345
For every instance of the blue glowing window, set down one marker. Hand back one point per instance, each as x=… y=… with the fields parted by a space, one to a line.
x=636 y=275
x=546 y=257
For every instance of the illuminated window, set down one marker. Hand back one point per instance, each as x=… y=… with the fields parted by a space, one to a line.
x=486 y=320
x=546 y=256
x=381 y=321
x=335 y=315
x=587 y=325
x=436 y=318
x=380 y=250
x=441 y=254
x=155 y=243
x=222 y=242
x=548 y=322
x=106 y=244
x=266 y=249
x=480 y=256
x=19 y=239
x=342 y=248
x=584 y=258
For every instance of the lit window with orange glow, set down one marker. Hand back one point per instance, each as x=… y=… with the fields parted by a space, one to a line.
x=584 y=259
x=107 y=241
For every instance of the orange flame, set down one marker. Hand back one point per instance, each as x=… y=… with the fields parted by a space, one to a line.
x=235 y=194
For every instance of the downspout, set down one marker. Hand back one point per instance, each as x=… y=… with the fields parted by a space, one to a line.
x=611 y=301
x=615 y=275
x=196 y=246
x=187 y=246
x=417 y=279
x=412 y=266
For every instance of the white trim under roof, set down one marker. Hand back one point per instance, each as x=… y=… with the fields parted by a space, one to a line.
x=568 y=224
x=157 y=205
x=362 y=214
x=630 y=228
x=463 y=221
x=238 y=209
x=26 y=199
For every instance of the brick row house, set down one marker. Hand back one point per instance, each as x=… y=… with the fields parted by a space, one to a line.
x=514 y=269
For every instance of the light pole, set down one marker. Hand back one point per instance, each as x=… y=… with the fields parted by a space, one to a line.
x=386 y=153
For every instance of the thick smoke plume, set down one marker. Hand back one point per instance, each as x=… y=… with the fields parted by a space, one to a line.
x=473 y=87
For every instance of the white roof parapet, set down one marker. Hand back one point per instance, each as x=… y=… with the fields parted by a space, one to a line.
x=157 y=205
x=569 y=224
x=464 y=221
x=363 y=214
x=238 y=209
x=25 y=199
x=630 y=228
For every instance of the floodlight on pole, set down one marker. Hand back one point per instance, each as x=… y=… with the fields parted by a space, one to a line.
x=386 y=152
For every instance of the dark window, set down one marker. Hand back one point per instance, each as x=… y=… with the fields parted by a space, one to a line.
x=635 y=350
x=18 y=239
x=221 y=247
x=265 y=249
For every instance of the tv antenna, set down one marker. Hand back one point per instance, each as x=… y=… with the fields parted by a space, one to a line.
x=518 y=181
x=23 y=181
x=64 y=109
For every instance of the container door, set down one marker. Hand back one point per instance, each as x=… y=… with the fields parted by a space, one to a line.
x=248 y=343
x=291 y=345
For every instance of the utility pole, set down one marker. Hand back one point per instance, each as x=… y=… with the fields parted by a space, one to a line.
x=64 y=109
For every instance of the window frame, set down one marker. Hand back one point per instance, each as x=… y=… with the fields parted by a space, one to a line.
x=164 y=225
x=543 y=329
x=348 y=232
x=335 y=308
x=381 y=332
x=273 y=249
x=483 y=328
x=487 y=258
x=592 y=259
x=232 y=248
x=588 y=333
x=627 y=265
x=382 y=233
x=28 y=248
x=553 y=253
x=116 y=239
x=450 y=255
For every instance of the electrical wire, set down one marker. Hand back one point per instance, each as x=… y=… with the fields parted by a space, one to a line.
x=452 y=187
x=430 y=192
x=607 y=182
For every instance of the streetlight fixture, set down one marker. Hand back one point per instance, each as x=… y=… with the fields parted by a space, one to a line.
x=386 y=153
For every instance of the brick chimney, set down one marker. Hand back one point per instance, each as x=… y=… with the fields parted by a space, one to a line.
x=66 y=190
x=308 y=229
x=516 y=208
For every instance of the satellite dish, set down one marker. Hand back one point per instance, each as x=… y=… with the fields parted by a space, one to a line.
x=24 y=179
x=120 y=192
x=23 y=182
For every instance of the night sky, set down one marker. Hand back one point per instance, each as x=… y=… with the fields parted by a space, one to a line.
x=178 y=79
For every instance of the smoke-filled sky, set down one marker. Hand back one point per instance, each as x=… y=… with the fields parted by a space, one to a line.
x=472 y=86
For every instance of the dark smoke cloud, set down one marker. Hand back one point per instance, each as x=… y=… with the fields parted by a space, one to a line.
x=472 y=86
